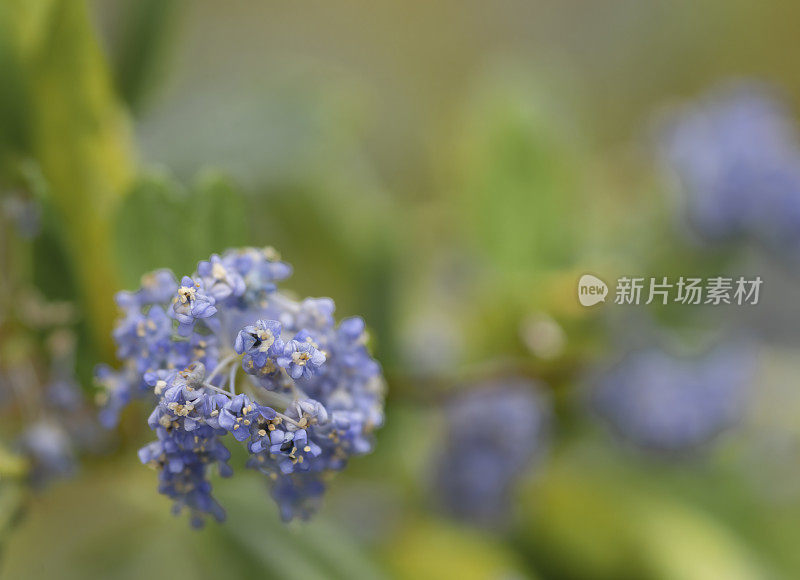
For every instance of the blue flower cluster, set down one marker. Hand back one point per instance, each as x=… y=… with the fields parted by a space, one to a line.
x=737 y=159
x=493 y=434
x=48 y=449
x=670 y=404
x=57 y=421
x=310 y=396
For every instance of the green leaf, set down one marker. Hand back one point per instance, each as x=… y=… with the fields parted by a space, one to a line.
x=111 y=523
x=161 y=225
x=145 y=29
x=15 y=118
x=149 y=228
x=79 y=136
x=218 y=215
x=517 y=177
x=315 y=549
x=427 y=548
x=595 y=516
x=13 y=498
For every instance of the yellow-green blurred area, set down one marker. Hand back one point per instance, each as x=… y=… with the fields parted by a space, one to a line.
x=447 y=170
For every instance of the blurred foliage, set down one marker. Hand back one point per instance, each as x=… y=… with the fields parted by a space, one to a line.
x=129 y=532
x=14 y=115
x=431 y=548
x=517 y=180
x=624 y=524
x=77 y=134
x=160 y=225
x=139 y=54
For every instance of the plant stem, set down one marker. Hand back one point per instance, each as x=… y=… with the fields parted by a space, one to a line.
x=222 y=364
x=232 y=379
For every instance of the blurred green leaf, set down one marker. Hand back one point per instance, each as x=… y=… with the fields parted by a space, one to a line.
x=145 y=31
x=516 y=198
x=596 y=517
x=13 y=498
x=161 y=225
x=316 y=549
x=148 y=228
x=427 y=548
x=14 y=114
x=79 y=136
x=11 y=465
x=682 y=543
x=52 y=274
x=518 y=180
x=111 y=523
x=217 y=215
x=112 y=526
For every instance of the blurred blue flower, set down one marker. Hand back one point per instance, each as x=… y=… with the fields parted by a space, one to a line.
x=157 y=288
x=220 y=280
x=671 y=404
x=736 y=155
x=23 y=212
x=57 y=422
x=298 y=497
x=49 y=450
x=493 y=433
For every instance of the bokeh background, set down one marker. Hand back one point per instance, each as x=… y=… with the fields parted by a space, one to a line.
x=448 y=171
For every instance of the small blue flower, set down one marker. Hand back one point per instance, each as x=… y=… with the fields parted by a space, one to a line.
x=192 y=304
x=260 y=270
x=306 y=412
x=316 y=313
x=186 y=385
x=300 y=359
x=117 y=388
x=137 y=331
x=258 y=342
x=220 y=280
x=157 y=288
x=240 y=414
x=159 y=380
